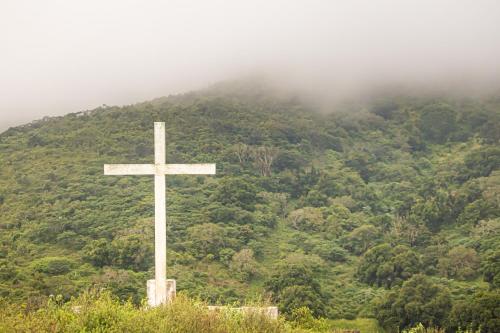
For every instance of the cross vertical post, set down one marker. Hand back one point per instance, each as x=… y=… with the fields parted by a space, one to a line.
x=160 y=216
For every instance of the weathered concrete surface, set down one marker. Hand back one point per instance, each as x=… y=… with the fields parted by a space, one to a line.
x=171 y=292
x=159 y=169
x=268 y=311
x=160 y=218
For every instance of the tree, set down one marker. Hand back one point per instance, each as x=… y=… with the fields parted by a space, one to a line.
x=460 y=263
x=8 y=270
x=294 y=286
x=406 y=263
x=331 y=251
x=372 y=265
x=438 y=122
x=307 y=219
x=35 y=140
x=236 y=191
x=482 y=161
x=230 y=214
x=316 y=199
x=99 y=252
x=243 y=152
x=490 y=267
x=477 y=314
x=361 y=238
x=410 y=230
x=388 y=266
x=225 y=256
x=53 y=265
x=477 y=211
x=289 y=160
x=206 y=238
x=133 y=252
x=419 y=300
x=244 y=263
x=385 y=109
x=125 y=284
x=264 y=158
x=435 y=211
x=278 y=202
x=361 y=161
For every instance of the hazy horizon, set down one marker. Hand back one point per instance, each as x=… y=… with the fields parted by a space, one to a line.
x=60 y=57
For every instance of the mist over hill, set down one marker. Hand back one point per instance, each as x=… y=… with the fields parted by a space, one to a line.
x=359 y=211
x=62 y=57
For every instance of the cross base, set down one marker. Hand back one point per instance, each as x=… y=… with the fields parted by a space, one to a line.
x=171 y=292
x=270 y=312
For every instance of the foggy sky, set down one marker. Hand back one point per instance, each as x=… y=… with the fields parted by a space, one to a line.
x=65 y=56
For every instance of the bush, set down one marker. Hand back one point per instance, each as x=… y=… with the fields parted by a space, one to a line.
x=438 y=122
x=307 y=219
x=243 y=262
x=100 y=312
x=236 y=192
x=330 y=251
x=386 y=266
x=481 y=162
x=460 y=263
x=53 y=265
x=419 y=300
x=294 y=286
x=361 y=238
x=479 y=313
x=490 y=268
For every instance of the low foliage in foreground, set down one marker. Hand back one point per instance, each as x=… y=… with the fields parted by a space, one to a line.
x=102 y=313
x=422 y=329
x=303 y=319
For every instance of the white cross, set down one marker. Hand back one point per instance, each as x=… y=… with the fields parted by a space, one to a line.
x=159 y=169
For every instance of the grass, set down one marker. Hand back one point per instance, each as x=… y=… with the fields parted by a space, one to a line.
x=364 y=325
x=101 y=312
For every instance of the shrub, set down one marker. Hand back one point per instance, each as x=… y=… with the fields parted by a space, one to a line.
x=438 y=122
x=294 y=286
x=461 y=263
x=361 y=238
x=386 y=266
x=100 y=312
x=53 y=265
x=307 y=219
x=491 y=268
x=479 y=313
x=419 y=300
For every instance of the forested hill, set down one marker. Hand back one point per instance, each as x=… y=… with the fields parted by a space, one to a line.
x=387 y=208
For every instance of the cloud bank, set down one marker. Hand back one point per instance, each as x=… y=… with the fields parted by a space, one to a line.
x=64 y=56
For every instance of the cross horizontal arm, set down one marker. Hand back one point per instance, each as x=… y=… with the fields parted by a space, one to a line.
x=189 y=169
x=129 y=169
x=160 y=169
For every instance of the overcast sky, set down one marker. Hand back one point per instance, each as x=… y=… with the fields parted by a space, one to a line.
x=65 y=56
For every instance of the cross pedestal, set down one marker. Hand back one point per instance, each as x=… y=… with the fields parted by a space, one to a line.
x=170 y=287
x=160 y=290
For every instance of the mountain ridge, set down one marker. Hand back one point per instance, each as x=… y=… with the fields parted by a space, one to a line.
x=409 y=185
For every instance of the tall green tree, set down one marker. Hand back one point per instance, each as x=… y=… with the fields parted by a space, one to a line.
x=419 y=300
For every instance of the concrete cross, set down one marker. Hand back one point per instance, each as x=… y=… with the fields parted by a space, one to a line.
x=159 y=169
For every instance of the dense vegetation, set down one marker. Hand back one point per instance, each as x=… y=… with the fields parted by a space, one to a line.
x=101 y=312
x=387 y=208
x=91 y=313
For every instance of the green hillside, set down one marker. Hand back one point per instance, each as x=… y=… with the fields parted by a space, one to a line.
x=384 y=208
